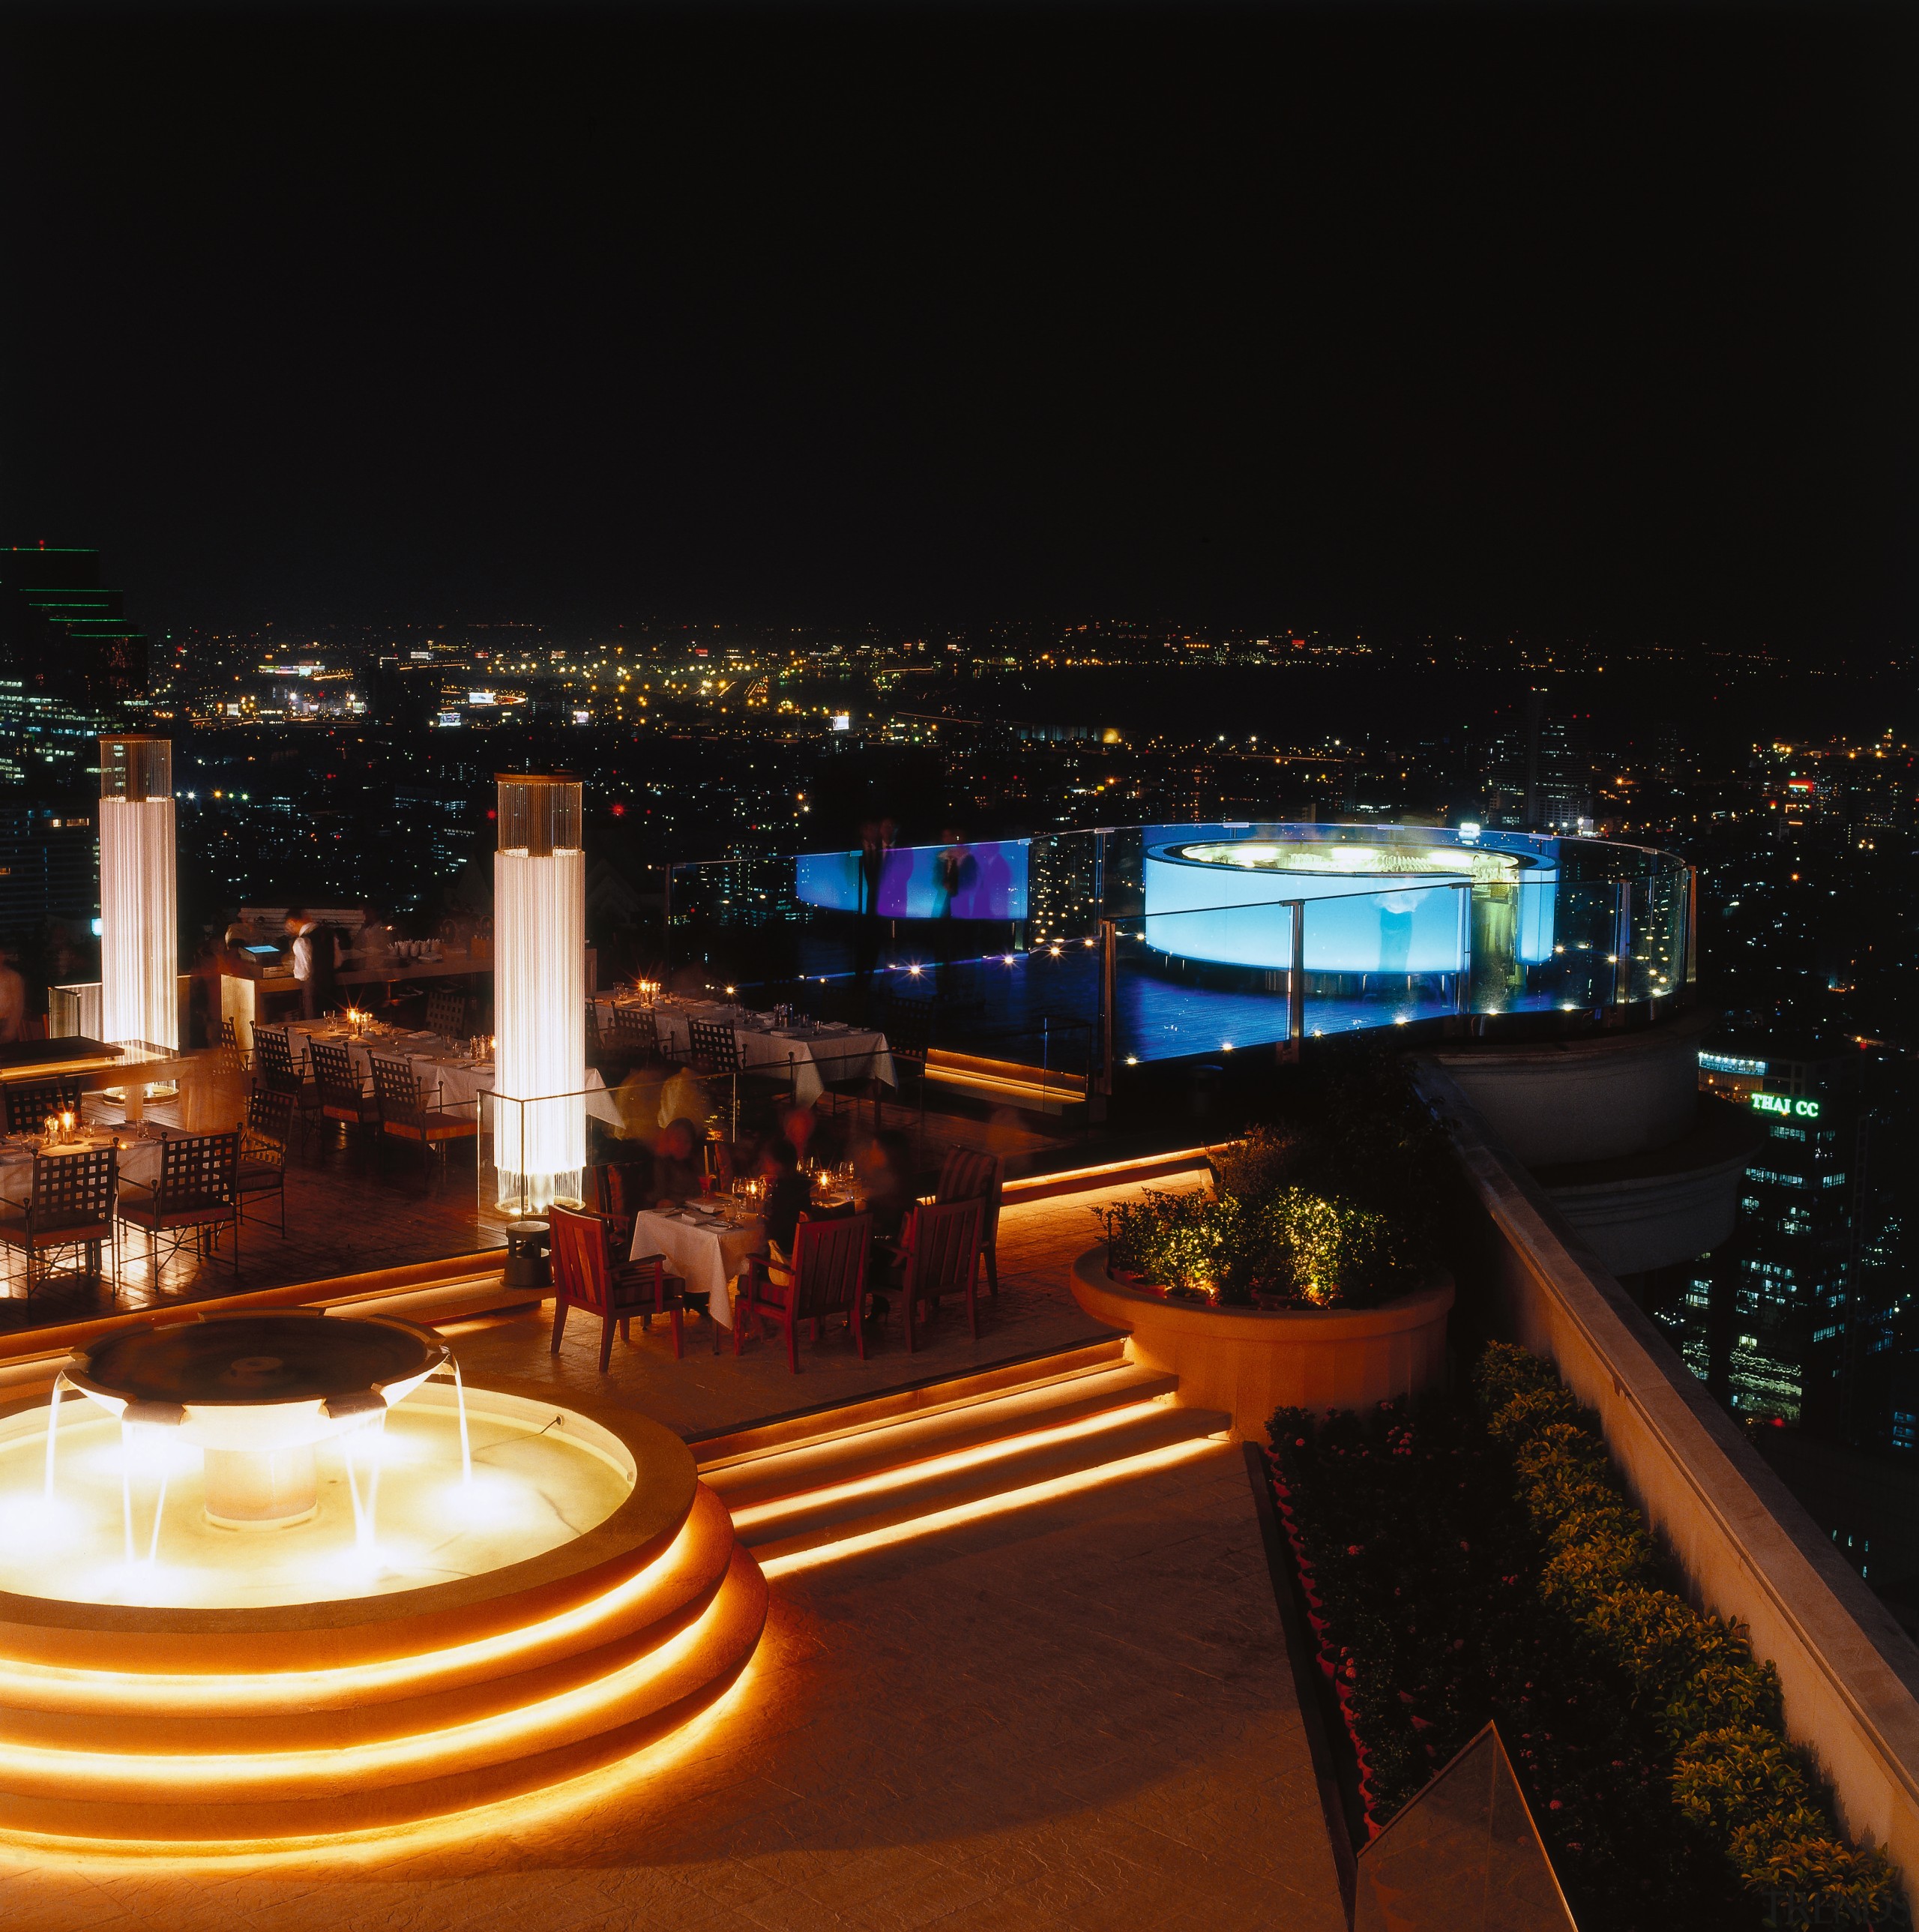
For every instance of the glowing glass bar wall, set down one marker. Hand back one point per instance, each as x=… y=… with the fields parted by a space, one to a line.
x=139 y=920
x=539 y=1121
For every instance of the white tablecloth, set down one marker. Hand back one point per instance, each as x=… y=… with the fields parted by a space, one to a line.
x=707 y=1257
x=816 y=1055
x=438 y=1065
x=140 y=1166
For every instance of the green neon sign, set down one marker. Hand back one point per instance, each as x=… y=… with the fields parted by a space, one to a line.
x=1779 y=1103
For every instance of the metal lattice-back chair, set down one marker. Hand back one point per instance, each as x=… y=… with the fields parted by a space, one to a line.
x=408 y=1112
x=265 y=1142
x=28 y=1102
x=633 y=1036
x=69 y=1205
x=280 y=1072
x=197 y=1193
x=228 y=1053
x=942 y=1257
x=343 y=1093
x=966 y=1175
x=827 y=1277
x=713 y=1047
x=446 y=1015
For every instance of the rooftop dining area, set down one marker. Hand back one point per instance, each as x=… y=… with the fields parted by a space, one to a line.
x=793 y=1388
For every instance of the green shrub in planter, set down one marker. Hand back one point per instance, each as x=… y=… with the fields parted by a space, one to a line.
x=1290 y=1245
x=1694 y=1678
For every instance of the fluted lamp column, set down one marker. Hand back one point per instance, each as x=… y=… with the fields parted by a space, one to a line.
x=139 y=922
x=539 y=993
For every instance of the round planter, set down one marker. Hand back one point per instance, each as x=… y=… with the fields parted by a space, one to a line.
x=1250 y=1361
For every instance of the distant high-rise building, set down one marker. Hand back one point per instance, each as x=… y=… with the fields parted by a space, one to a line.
x=71 y=665
x=1531 y=779
x=1772 y=1321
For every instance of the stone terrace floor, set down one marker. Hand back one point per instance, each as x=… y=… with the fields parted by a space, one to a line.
x=1076 y=1715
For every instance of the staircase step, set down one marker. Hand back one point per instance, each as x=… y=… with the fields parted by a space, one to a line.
x=891 y=1496
x=938 y=1394
x=842 y=1459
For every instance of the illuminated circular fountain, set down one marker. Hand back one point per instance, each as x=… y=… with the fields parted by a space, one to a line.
x=275 y=1577
x=257 y=1394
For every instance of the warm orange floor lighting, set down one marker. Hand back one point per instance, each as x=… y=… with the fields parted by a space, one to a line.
x=456 y=1831
x=755 y=1514
x=106 y=1689
x=867 y=1541
x=222 y=1773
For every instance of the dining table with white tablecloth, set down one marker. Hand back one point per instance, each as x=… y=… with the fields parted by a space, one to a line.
x=811 y=1055
x=449 y=1077
x=705 y=1249
x=139 y=1164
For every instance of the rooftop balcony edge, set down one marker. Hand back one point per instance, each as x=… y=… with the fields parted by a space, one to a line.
x=1748 y=1549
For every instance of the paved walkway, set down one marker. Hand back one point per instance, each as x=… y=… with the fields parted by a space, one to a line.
x=1079 y=1716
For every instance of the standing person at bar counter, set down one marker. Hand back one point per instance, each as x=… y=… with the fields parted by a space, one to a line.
x=314 y=964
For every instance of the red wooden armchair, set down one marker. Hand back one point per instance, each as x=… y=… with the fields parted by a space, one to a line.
x=965 y=1175
x=586 y=1276
x=622 y=1190
x=942 y=1257
x=827 y=1277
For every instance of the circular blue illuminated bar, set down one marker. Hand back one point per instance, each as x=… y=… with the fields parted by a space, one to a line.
x=1403 y=904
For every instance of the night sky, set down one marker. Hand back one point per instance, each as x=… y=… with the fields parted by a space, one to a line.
x=1594 y=322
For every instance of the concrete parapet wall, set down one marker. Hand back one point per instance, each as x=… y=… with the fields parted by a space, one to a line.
x=1551 y=1102
x=1850 y=1675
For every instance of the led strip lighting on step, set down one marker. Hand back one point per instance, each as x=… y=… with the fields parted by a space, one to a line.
x=863 y=1541
x=752 y=1516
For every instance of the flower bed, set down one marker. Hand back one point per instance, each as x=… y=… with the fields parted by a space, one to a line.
x=1467 y=1560
x=1333 y=1206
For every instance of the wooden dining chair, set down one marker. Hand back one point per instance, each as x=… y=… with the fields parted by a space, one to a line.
x=941 y=1245
x=194 y=1193
x=966 y=1175
x=621 y=1188
x=827 y=1277
x=68 y=1204
x=586 y=1276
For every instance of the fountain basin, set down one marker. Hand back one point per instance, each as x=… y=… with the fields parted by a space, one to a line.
x=391 y=1695
x=256 y=1392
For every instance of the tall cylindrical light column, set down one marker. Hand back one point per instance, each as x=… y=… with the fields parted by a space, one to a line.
x=539 y=993
x=139 y=946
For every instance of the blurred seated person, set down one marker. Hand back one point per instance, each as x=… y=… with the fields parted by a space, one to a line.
x=788 y=1195
x=636 y=1100
x=677 y=1168
x=682 y=1098
x=797 y=1128
x=883 y=1168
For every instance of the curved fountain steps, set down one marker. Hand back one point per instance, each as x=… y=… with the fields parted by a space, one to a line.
x=206 y=1727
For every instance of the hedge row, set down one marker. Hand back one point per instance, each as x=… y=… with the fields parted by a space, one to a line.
x=1465 y=1559
x=1693 y=1677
